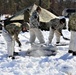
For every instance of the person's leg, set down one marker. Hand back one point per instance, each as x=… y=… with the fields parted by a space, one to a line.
x=32 y=36
x=57 y=36
x=71 y=45
x=8 y=40
x=13 y=47
x=51 y=34
x=9 y=49
x=74 y=43
x=39 y=35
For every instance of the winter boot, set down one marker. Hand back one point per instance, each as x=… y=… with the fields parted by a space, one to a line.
x=15 y=53
x=70 y=51
x=12 y=57
x=74 y=53
x=57 y=42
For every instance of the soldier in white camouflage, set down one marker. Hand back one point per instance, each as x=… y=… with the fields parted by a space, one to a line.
x=34 y=27
x=56 y=25
x=10 y=33
x=72 y=29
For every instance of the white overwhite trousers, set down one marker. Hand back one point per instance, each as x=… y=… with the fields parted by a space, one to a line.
x=72 y=45
x=35 y=32
x=51 y=35
x=10 y=42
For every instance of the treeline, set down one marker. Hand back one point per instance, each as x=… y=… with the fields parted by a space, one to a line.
x=13 y=6
x=55 y=6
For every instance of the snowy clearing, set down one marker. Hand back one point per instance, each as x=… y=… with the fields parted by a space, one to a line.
x=62 y=63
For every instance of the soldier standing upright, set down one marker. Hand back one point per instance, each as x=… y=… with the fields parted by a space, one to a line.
x=34 y=27
x=72 y=29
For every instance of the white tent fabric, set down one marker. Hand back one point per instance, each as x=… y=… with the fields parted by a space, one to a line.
x=18 y=17
x=45 y=15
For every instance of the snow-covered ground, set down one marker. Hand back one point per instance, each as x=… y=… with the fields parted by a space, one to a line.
x=62 y=63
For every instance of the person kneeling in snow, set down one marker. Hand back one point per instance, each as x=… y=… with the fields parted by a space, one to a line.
x=34 y=27
x=56 y=26
x=72 y=29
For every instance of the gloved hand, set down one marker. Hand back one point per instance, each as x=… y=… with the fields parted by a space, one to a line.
x=61 y=34
x=52 y=27
x=19 y=44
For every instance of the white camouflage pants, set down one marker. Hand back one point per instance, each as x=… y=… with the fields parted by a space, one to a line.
x=35 y=32
x=10 y=42
x=51 y=35
x=72 y=45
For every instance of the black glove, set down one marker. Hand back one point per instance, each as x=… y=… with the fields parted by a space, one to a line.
x=61 y=34
x=52 y=27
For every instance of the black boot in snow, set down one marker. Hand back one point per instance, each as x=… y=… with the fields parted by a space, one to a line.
x=15 y=53
x=12 y=57
x=74 y=53
x=57 y=42
x=70 y=51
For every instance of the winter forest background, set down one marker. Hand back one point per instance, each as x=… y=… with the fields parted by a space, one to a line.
x=55 y=6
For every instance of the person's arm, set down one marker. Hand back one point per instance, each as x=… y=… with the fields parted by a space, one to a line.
x=53 y=24
x=60 y=31
x=36 y=17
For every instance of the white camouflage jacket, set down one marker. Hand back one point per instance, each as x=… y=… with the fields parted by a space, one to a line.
x=34 y=20
x=55 y=24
